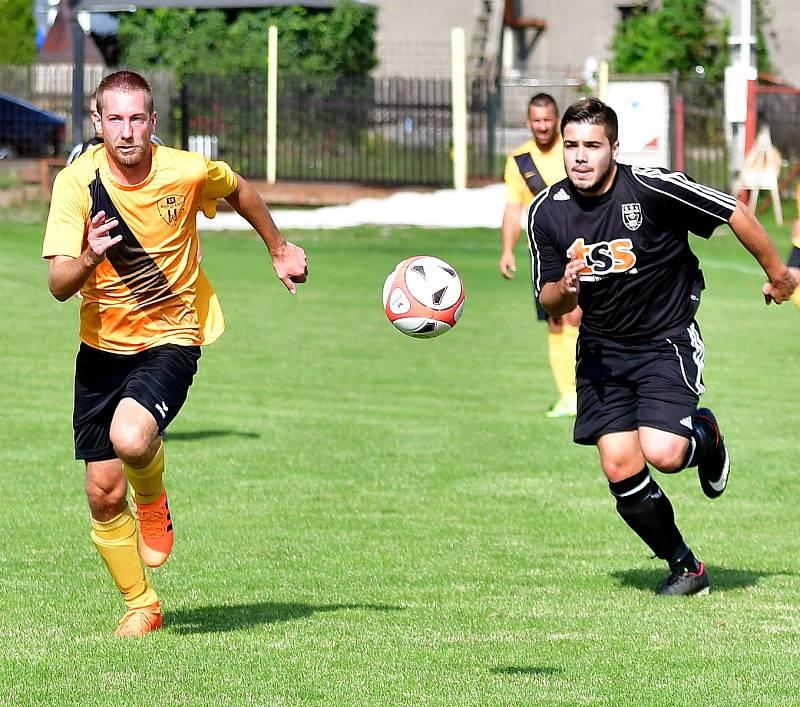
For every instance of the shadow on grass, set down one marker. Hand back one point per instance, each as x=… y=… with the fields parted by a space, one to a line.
x=525 y=670
x=721 y=578
x=205 y=434
x=218 y=619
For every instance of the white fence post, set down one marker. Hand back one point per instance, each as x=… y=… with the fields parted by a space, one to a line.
x=459 y=98
x=272 y=102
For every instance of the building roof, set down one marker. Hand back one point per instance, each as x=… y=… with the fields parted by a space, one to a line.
x=58 y=46
x=131 y=5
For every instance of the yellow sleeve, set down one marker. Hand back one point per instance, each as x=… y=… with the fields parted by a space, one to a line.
x=517 y=191
x=68 y=217
x=220 y=182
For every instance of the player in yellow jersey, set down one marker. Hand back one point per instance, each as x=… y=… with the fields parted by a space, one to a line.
x=794 y=256
x=534 y=165
x=122 y=231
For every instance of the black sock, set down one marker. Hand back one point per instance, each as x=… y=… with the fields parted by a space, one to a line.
x=646 y=509
x=704 y=440
x=683 y=560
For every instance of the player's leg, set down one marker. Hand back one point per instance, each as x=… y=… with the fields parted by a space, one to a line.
x=570 y=324
x=608 y=416
x=675 y=396
x=562 y=365
x=153 y=395
x=115 y=537
x=99 y=378
x=644 y=506
x=137 y=442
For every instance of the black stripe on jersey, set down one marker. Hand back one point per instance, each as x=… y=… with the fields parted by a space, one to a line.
x=132 y=262
x=674 y=183
x=536 y=273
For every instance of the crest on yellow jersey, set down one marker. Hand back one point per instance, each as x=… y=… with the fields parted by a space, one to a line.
x=170 y=208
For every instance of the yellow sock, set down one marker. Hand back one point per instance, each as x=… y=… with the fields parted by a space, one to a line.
x=557 y=352
x=117 y=542
x=147 y=483
x=569 y=340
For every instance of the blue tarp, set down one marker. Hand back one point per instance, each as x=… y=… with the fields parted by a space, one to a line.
x=27 y=130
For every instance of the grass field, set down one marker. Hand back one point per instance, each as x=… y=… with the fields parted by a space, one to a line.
x=366 y=519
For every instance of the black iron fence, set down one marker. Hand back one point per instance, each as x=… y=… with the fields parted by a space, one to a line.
x=376 y=130
x=779 y=108
x=705 y=147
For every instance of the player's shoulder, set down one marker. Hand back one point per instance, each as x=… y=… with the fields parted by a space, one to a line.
x=525 y=147
x=82 y=169
x=660 y=179
x=679 y=186
x=556 y=197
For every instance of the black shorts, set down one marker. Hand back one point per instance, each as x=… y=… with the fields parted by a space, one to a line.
x=157 y=378
x=624 y=386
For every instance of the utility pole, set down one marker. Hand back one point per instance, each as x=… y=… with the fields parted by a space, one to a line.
x=741 y=70
x=77 y=69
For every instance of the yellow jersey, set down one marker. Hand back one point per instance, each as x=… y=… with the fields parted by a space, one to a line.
x=150 y=289
x=550 y=165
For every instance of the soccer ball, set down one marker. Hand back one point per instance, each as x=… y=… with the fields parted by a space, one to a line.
x=423 y=297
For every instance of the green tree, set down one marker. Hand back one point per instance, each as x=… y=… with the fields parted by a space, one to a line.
x=762 y=19
x=337 y=42
x=17 y=32
x=680 y=35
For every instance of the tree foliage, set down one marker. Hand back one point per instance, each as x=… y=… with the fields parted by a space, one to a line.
x=17 y=32
x=678 y=36
x=335 y=42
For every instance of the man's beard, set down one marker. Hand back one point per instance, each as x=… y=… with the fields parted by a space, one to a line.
x=130 y=159
x=600 y=179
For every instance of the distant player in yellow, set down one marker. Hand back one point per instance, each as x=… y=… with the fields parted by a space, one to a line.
x=794 y=256
x=534 y=165
x=122 y=231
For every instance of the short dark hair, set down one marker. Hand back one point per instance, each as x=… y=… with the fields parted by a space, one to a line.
x=125 y=81
x=594 y=112
x=542 y=100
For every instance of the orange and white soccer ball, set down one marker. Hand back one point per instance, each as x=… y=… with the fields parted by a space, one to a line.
x=423 y=296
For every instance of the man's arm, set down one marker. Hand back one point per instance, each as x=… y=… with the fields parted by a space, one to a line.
x=560 y=298
x=751 y=235
x=511 y=231
x=67 y=274
x=288 y=259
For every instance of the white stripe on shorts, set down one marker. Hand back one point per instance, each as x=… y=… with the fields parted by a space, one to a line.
x=698 y=358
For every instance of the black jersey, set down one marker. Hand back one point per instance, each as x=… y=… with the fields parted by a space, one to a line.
x=641 y=279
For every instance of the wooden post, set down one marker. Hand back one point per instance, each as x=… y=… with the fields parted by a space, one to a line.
x=602 y=81
x=272 y=102
x=459 y=98
x=680 y=143
x=750 y=125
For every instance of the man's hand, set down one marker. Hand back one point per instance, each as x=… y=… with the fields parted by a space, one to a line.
x=98 y=239
x=290 y=265
x=508 y=265
x=570 y=284
x=780 y=289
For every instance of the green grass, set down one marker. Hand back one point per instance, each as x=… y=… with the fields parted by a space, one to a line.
x=366 y=519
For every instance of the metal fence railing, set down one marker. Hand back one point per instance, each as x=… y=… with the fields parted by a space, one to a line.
x=706 y=151
x=48 y=87
x=779 y=108
x=378 y=130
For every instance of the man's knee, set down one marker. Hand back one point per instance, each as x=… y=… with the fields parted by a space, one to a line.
x=666 y=454
x=106 y=488
x=132 y=443
x=134 y=433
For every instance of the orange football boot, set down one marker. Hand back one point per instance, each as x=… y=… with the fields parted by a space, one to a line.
x=156 y=536
x=138 y=622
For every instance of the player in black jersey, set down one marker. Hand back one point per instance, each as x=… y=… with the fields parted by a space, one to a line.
x=614 y=239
